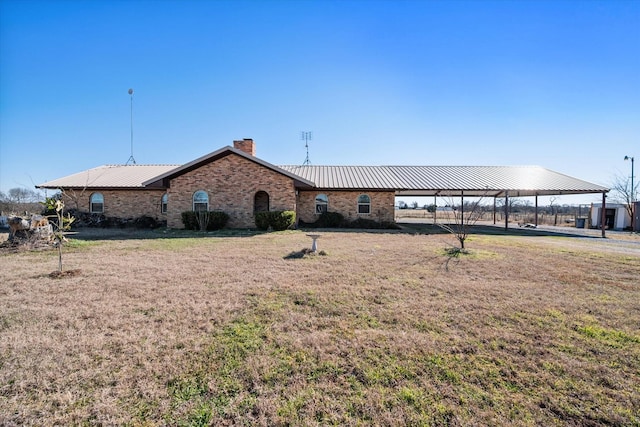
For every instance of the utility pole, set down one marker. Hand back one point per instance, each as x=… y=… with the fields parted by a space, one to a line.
x=633 y=196
x=131 y=159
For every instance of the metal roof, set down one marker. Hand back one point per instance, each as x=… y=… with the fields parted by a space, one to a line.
x=224 y=151
x=447 y=180
x=348 y=177
x=110 y=176
x=404 y=180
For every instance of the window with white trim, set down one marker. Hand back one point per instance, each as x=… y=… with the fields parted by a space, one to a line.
x=364 y=204
x=322 y=203
x=163 y=203
x=96 y=203
x=200 y=201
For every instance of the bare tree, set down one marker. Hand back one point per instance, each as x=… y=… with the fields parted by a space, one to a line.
x=623 y=193
x=465 y=216
x=74 y=196
x=20 y=199
x=23 y=195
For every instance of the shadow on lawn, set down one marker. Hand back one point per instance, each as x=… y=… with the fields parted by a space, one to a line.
x=158 y=233
x=89 y=234
x=492 y=231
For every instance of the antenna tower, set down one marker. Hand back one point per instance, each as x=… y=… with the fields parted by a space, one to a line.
x=131 y=159
x=306 y=137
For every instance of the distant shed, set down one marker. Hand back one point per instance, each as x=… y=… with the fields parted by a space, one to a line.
x=616 y=216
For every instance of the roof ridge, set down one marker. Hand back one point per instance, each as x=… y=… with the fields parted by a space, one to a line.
x=146 y=164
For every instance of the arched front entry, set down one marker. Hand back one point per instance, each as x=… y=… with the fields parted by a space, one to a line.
x=261 y=202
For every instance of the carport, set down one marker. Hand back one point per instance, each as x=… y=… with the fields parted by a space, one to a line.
x=451 y=181
x=492 y=181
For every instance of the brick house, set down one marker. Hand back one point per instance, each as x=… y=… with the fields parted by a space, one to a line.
x=231 y=179
x=235 y=181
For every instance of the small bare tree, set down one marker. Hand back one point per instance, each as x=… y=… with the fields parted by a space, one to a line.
x=61 y=225
x=464 y=217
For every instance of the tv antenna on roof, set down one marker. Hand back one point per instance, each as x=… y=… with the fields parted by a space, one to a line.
x=131 y=159
x=306 y=137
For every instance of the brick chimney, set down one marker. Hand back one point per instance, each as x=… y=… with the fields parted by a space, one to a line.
x=247 y=145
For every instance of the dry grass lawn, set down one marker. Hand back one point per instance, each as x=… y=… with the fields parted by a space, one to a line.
x=170 y=329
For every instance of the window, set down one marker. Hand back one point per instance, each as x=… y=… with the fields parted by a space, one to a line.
x=96 y=203
x=322 y=203
x=261 y=202
x=200 y=201
x=364 y=204
x=163 y=203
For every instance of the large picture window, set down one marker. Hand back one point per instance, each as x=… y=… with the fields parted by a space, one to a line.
x=96 y=203
x=364 y=204
x=322 y=203
x=200 y=201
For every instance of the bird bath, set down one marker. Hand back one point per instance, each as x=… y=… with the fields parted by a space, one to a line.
x=314 y=245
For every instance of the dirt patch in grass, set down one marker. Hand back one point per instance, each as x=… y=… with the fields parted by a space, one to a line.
x=306 y=252
x=213 y=330
x=64 y=274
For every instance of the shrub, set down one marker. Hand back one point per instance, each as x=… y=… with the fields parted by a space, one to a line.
x=92 y=220
x=217 y=220
x=336 y=220
x=362 y=223
x=204 y=220
x=146 y=222
x=326 y=220
x=262 y=220
x=277 y=220
x=330 y=220
x=189 y=220
x=282 y=220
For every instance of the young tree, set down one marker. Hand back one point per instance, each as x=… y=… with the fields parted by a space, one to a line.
x=61 y=224
x=465 y=216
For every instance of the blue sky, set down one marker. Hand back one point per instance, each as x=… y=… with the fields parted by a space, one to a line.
x=550 y=83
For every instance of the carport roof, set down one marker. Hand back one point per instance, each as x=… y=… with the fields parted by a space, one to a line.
x=518 y=181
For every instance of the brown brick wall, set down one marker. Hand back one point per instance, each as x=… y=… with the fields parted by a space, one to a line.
x=120 y=203
x=346 y=203
x=231 y=183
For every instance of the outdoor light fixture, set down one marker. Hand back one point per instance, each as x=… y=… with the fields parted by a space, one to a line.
x=633 y=193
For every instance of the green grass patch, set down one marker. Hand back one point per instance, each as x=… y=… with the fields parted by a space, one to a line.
x=611 y=337
x=79 y=244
